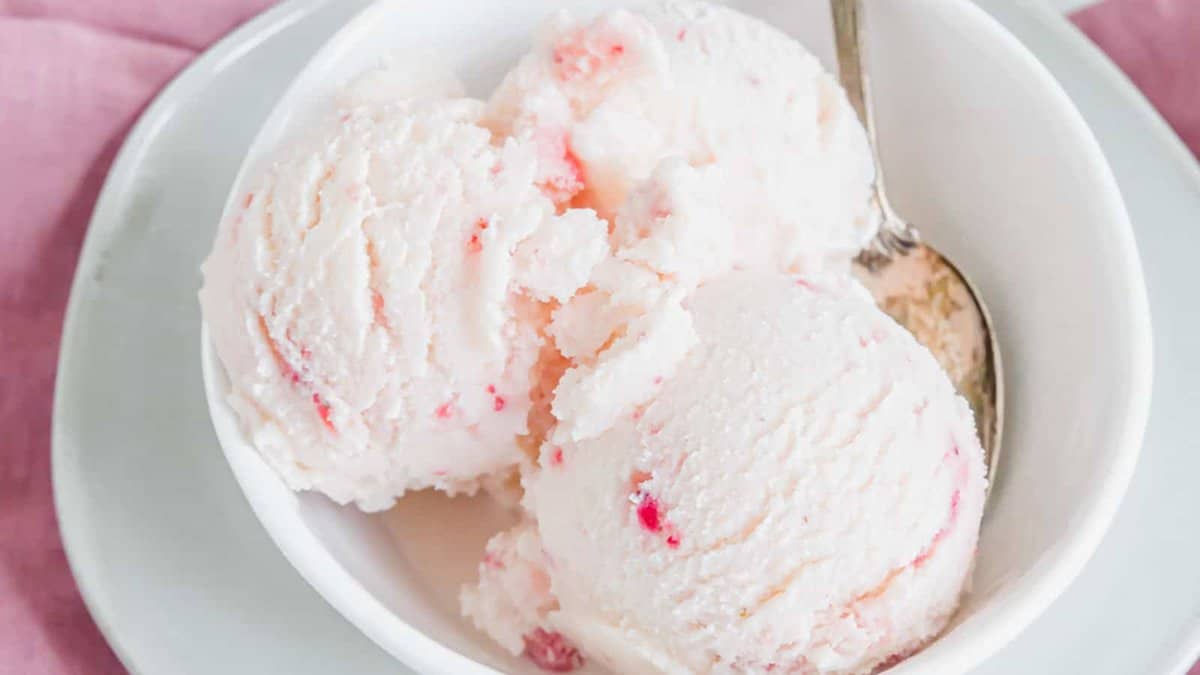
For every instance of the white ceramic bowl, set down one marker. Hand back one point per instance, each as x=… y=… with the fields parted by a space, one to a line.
x=982 y=150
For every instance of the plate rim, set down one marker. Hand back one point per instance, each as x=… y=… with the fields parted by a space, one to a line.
x=141 y=136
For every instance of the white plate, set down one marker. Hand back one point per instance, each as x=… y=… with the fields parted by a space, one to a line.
x=150 y=514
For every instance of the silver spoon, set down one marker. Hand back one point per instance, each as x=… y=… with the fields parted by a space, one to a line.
x=914 y=283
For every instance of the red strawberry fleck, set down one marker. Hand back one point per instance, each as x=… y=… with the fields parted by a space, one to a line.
x=498 y=403
x=493 y=561
x=556 y=458
x=551 y=651
x=563 y=175
x=648 y=513
x=289 y=372
x=475 y=243
x=380 y=315
x=577 y=57
x=658 y=379
x=652 y=516
x=491 y=389
x=445 y=411
x=681 y=34
x=805 y=284
x=324 y=411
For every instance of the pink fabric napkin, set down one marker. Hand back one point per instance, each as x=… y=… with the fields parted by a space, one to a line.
x=1157 y=43
x=73 y=77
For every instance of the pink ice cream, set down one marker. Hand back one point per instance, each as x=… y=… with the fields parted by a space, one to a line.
x=802 y=495
x=377 y=300
x=706 y=130
x=623 y=279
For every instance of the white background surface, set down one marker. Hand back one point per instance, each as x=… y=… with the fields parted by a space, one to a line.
x=183 y=579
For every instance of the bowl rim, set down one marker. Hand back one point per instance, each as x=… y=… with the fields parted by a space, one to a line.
x=998 y=624
x=990 y=629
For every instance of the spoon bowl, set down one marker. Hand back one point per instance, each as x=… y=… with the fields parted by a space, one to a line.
x=938 y=304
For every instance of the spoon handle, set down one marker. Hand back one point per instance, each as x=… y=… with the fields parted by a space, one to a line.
x=895 y=236
x=851 y=71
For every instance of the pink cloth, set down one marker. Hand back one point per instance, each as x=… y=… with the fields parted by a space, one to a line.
x=73 y=77
x=1157 y=43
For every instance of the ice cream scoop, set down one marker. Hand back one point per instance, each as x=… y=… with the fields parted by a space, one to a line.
x=709 y=132
x=377 y=299
x=802 y=495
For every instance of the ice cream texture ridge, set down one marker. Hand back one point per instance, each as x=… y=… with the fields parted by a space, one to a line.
x=616 y=296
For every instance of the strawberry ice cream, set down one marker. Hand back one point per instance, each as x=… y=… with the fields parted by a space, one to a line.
x=690 y=106
x=377 y=301
x=802 y=495
x=625 y=281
